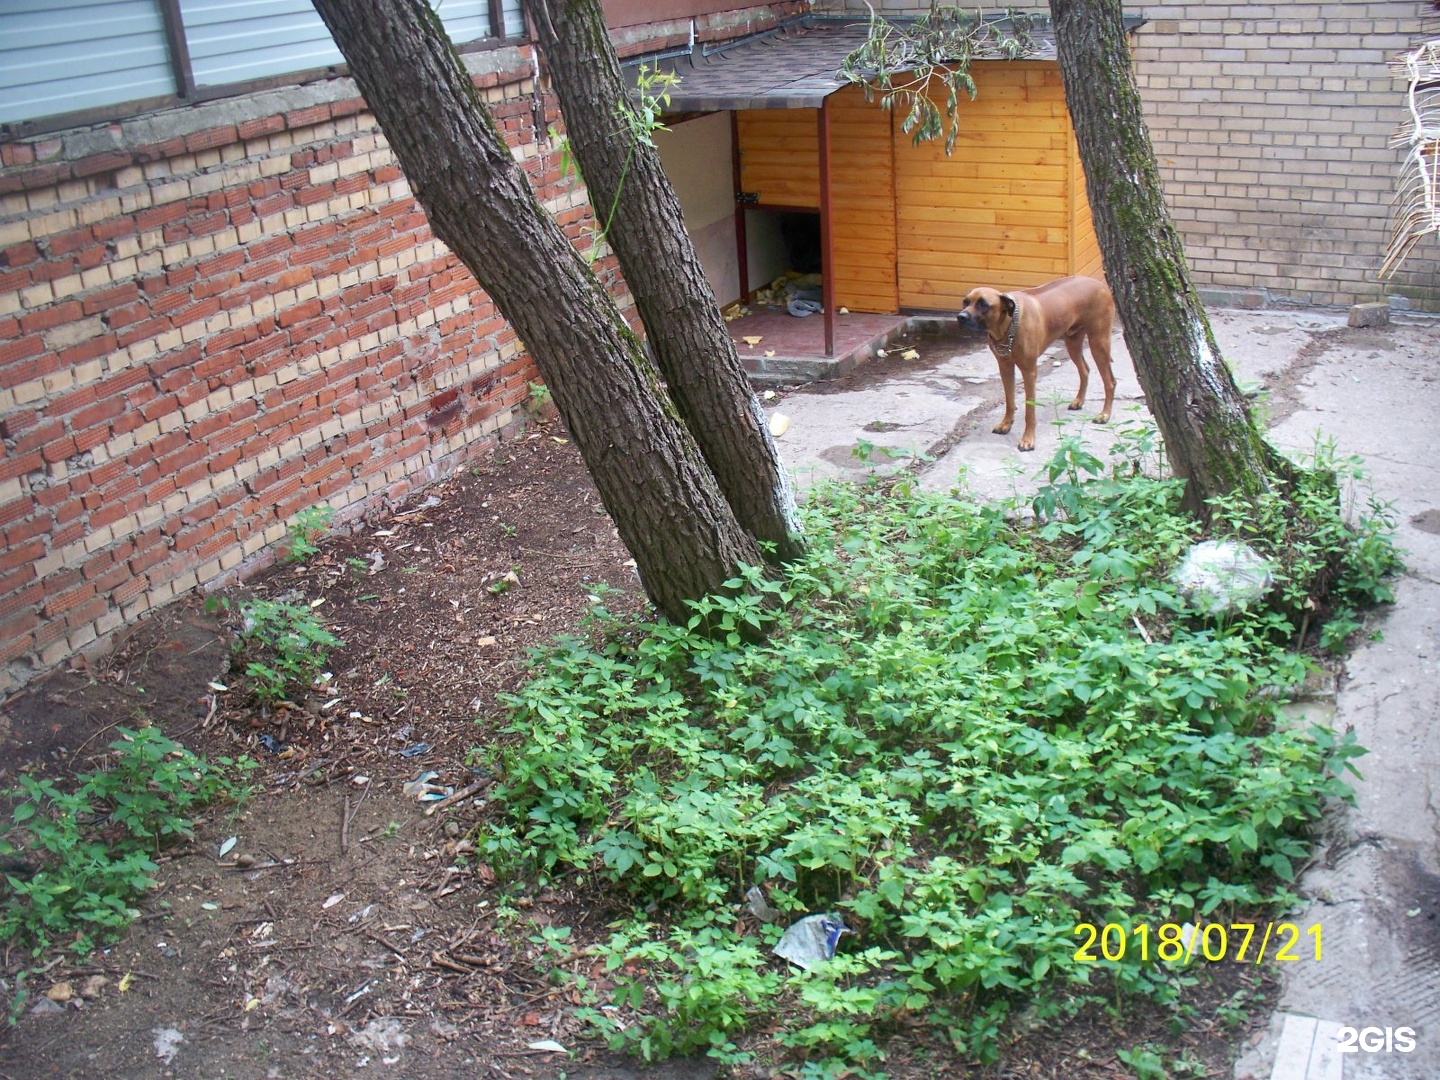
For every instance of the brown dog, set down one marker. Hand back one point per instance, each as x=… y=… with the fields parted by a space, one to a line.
x=1022 y=325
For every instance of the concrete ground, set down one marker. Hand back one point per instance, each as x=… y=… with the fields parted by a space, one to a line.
x=1375 y=889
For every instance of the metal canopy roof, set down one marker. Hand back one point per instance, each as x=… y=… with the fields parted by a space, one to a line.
x=793 y=67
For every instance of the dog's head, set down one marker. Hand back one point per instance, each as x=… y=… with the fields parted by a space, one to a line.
x=986 y=309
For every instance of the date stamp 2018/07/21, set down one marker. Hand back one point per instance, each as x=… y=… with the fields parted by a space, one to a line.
x=1213 y=942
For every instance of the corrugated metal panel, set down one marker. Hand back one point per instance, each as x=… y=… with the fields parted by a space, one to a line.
x=57 y=56
x=235 y=40
x=514 y=18
x=465 y=20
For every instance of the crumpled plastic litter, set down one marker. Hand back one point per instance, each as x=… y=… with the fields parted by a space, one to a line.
x=1221 y=576
x=760 y=907
x=801 y=308
x=421 y=788
x=811 y=942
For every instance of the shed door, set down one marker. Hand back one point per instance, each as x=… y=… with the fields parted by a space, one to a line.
x=780 y=167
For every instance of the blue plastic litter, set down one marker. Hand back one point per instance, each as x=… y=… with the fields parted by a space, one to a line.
x=802 y=308
x=810 y=942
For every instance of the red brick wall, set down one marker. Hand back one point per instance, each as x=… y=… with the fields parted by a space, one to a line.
x=201 y=336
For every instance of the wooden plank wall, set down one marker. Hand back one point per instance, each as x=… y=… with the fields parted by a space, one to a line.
x=862 y=204
x=780 y=156
x=998 y=210
x=1084 y=246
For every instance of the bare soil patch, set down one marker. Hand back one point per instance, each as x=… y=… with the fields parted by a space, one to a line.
x=348 y=930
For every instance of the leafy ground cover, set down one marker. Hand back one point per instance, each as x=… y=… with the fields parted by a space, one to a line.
x=969 y=730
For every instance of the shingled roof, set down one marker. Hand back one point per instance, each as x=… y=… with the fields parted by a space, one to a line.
x=792 y=67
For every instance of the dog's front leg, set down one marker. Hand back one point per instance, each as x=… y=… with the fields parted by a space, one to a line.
x=1007 y=380
x=1027 y=439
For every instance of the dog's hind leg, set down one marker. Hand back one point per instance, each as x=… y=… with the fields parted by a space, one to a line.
x=1073 y=342
x=1099 y=337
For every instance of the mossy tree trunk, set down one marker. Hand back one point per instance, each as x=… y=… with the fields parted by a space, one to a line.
x=651 y=475
x=1210 y=436
x=644 y=224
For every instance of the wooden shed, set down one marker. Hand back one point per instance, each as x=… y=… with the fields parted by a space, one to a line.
x=901 y=227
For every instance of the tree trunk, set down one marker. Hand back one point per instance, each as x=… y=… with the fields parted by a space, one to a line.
x=653 y=480
x=1212 y=441
x=643 y=223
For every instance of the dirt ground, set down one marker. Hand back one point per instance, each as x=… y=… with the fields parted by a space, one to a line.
x=347 y=930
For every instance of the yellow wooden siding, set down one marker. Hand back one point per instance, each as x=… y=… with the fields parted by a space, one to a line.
x=999 y=210
x=780 y=156
x=1085 y=247
x=862 y=204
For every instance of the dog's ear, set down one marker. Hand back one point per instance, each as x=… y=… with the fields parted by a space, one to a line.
x=1007 y=303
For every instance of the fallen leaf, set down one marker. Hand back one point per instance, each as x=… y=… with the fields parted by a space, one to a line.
x=531 y=1019
x=753 y=339
x=333 y=899
x=125 y=981
x=61 y=992
x=779 y=424
x=484 y=641
x=769 y=352
x=910 y=354
x=547 y=1044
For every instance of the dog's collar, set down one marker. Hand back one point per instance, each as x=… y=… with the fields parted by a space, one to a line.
x=1004 y=351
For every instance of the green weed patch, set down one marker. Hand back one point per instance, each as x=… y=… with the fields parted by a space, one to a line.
x=78 y=857
x=965 y=733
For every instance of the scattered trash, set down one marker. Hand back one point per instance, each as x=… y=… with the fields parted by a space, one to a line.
x=803 y=308
x=768 y=395
x=760 y=907
x=216 y=686
x=359 y=780
x=421 y=788
x=332 y=900
x=382 y=1035
x=549 y=1045
x=415 y=750
x=809 y=943
x=377 y=560
x=269 y=742
x=779 y=424
x=910 y=354
x=1222 y=576
x=167 y=1043
x=45 y=1007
